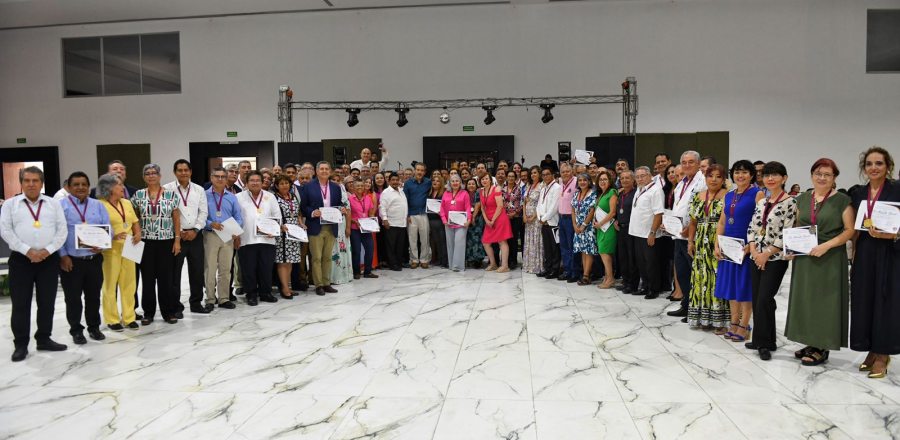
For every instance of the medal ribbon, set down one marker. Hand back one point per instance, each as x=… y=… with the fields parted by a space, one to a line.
x=37 y=216
x=122 y=212
x=638 y=196
x=81 y=214
x=870 y=201
x=812 y=206
x=255 y=203
x=685 y=187
x=768 y=209
x=735 y=199
x=184 y=197
x=219 y=202
x=154 y=204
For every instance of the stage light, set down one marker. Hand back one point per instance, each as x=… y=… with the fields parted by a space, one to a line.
x=444 y=117
x=353 y=119
x=547 y=115
x=490 y=114
x=401 y=115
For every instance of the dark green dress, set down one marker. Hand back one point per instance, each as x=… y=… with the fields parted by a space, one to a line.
x=819 y=303
x=606 y=240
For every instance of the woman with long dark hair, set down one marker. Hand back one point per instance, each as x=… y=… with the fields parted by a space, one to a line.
x=474 y=250
x=607 y=202
x=436 y=235
x=532 y=246
x=496 y=225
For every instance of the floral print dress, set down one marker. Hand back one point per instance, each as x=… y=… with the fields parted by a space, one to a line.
x=704 y=308
x=533 y=249
x=341 y=261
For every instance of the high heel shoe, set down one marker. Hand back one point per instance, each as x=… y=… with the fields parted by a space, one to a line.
x=867 y=364
x=882 y=374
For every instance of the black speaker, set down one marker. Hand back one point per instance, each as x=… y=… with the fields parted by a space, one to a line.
x=340 y=155
x=609 y=149
x=564 y=152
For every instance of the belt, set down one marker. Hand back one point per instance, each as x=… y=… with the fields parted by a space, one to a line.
x=87 y=258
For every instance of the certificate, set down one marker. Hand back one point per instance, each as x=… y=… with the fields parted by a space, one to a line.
x=458 y=218
x=433 y=206
x=268 y=227
x=330 y=216
x=556 y=235
x=369 y=224
x=799 y=241
x=673 y=225
x=884 y=218
x=296 y=233
x=131 y=251
x=732 y=249
x=599 y=213
x=230 y=228
x=583 y=156
x=93 y=236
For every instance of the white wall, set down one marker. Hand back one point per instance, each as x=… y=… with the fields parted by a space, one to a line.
x=786 y=78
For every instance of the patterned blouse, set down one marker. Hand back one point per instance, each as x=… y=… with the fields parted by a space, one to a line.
x=156 y=218
x=512 y=200
x=781 y=216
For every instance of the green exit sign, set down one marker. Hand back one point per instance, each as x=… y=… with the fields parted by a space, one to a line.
x=232 y=134
x=468 y=128
x=20 y=140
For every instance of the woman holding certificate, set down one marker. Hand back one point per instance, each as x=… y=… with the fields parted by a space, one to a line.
x=705 y=309
x=455 y=203
x=819 y=305
x=257 y=252
x=875 y=279
x=362 y=205
x=732 y=277
x=118 y=272
x=158 y=211
x=436 y=235
x=606 y=240
x=287 y=251
x=773 y=214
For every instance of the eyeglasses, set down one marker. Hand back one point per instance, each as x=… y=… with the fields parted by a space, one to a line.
x=218 y=176
x=151 y=173
x=823 y=175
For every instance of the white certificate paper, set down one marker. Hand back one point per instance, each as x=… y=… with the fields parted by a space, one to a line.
x=230 y=228
x=457 y=218
x=330 y=216
x=268 y=227
x=673 y=225
x=369 y=224
x=583 y=156
x=599 y=213
x=799 y=241
x=732 y=249
x=884 y=219
x=296 y=233
x=433 y=206
x=131 y=251
x=93 y=236
x=556 y=235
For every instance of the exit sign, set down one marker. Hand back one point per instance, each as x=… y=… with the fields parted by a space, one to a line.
x=232 y=134
x=20 y=140
x=468 y=128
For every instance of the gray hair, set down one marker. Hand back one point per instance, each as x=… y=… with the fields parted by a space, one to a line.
x=106 y=184
x=30 y=170
x=564 y=164
x=627 y=172
x=454 y=177
x=151 y=166
x=691 y=153
x=642 y=168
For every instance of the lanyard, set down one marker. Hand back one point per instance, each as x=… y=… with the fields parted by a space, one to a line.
x=567 y=185
x=547 y=189
x=154 y=204
x=219 y=202
x=81 y=214
x=642 y=193
x=768 y=209
x=290 y=200
x=685 y=187
x=35 y=216
x=812 y=206
x=870 y=201
x=326 y=190
x=257 y=203
x=184 y=197
x=735 y=199
x=707 y=204
x=122 y=212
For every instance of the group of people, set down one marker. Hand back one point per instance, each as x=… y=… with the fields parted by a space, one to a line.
x=643 y=231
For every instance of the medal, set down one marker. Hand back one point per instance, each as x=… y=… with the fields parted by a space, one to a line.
x=259 y=210
x=870 y=205
x=37 y=224
x=257 y=203
x=218 y=213
x=36 y=216
x=867 y=223
x=731 y=220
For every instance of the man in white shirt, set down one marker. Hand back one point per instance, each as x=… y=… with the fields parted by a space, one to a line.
x=365 y=158
x=244 y=168
x=646 y=216
x=257 y=251
x=548 y=215
x=63 y=192
x=193 y=208
x=34 y=227
x=693 y=182
x=393 y=209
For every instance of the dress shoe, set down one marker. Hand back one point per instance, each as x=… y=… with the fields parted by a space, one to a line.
x=637 y=292
x=765 y=354
x=651 y=295
x=684 y=320
x=357 y=276
x=267 y=297
x=138 y=316
x=396 y=269
x=180 y=315
x=252 y=302
x=329 y=289
x=541 y=274
x=562 y=277
x=621 y=288
x=171 y=320
x=320 y=291
x=116 y=327
x=551 y=275
x=50 y=345
x=289 y=296
x=133 y=325
x=680 y=312
x=146 y=321
x=79 y=338
x=303 y=287
x=96 y=334
x=424 y=265
x=19 y=354
x=413 y=265
x=628 y=289
x=370 y=275
x=198 y=309
x=231 y=297
x=572 y=280
x=227 y=305
x=237 y=291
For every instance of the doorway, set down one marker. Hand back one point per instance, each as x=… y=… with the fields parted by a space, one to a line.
x=205 y=156
x=442 y=151
x=15 y=159
x=133 y=156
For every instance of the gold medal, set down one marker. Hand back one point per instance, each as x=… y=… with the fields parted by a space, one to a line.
x=867 y=223
x=37 y=224
x=259 y=210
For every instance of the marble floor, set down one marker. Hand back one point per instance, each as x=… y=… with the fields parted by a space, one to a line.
x=424 y=354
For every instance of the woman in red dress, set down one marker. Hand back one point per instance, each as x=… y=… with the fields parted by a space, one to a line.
x=497 y=228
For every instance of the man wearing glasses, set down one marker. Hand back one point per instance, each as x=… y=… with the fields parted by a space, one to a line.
x=221 y=205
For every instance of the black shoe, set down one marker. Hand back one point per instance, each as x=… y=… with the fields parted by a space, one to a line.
x=268 y=298
x=146 y=321
x=551 y=275
x=209 y=307
x=138 y=316
x=171 y=320
x=643 y=292
x=287 y=296
x=651 y=295
x=765 y=354
x=78 y=338
x=572 y=280
x=237 y=291
x=320 y=291
x=231 y=297
x=621 y=288
x=252 y=302
x=117 y=327
x=227 y=305
x=180 y=315
x=541 y=274
x=684 y=320
x=680 y=312
x=370 y=275
x=303 y=287
x=96 y=334
x=133 y=325
x=673 y=299
x=329 y=289
x=562 y=277
x=19 y=354
x=628 y=289
x=198 y=309
x=357 y=276
x=51 y=345
x=395 y=269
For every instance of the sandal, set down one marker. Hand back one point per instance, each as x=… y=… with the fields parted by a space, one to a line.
x=289 y=295
x=502 y=269
x=801 y=353
x=604 y=285
x=721 y=331
x=815 y=357
x=737 y=337
x=730 y=333
x=491 y=268
x=584 y=281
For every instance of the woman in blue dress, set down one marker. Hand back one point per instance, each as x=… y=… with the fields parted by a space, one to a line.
x=732 y=279
x=584 y=242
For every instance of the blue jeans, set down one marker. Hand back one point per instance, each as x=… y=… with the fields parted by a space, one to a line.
x=683 y=262
x=566 y=241
x=358 y=241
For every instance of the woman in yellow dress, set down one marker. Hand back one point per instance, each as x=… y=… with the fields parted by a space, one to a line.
x=118 y=272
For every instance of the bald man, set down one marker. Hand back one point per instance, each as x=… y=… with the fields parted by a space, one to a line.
x=365 y=158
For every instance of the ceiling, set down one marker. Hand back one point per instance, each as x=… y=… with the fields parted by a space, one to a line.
x=42 y=13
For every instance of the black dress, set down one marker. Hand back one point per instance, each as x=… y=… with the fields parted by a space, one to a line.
x=875 y=285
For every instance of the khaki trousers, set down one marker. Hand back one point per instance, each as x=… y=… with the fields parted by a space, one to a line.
x=217 y=258
x=320 y=247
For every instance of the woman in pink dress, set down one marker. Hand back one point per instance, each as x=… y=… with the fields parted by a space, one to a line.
x=497 y=228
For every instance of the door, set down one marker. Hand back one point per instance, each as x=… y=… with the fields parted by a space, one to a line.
x=16 y=158
x=441 y=151
x=133 y=156
x=206 y=155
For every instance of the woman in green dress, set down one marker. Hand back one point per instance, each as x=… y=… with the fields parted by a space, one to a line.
x=819 y=305
x=606 y=240
x=704 y=309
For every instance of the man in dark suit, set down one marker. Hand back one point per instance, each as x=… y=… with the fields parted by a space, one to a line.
x=315 y=195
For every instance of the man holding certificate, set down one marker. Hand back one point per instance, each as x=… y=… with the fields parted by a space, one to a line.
x=257 y=250
x=223 y=211
x=693 y=182
x=317 y=194
x=80 y=259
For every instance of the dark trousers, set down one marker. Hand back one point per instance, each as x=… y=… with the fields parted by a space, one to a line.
x=625 y=255
x=359 y=240
x=765 y=286
x=566 y=240
x=156 y=268
x=437 y=240
x=382 y=248
x=551 y=249
x=27 y=280
x=517 y=225
x=683 y=262
x=85 y=279
x=137 y=282
x=645 y=255
x=665 y=250
x=394 y=245
x=192 y=251
x=257 y=261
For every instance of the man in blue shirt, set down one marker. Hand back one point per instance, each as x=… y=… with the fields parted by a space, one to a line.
x=222 y=205
x=82 y=269
x=416 y=190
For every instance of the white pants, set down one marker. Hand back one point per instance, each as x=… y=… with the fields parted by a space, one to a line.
x=418 y=238
x=456 y=247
